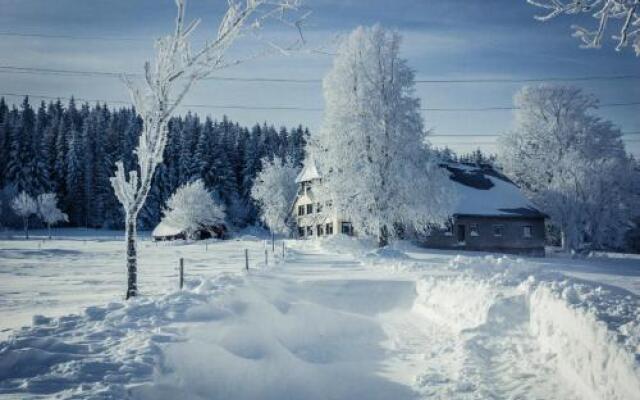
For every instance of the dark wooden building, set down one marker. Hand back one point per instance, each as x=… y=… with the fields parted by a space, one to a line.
x=491 y=214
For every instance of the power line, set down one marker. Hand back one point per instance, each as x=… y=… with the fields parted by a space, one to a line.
x=57 y=36
x=107 y=74
x=280 y=108
x=496 y=135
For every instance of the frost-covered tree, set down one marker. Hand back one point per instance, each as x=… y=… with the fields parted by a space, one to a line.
x=168 y=79
x=274 y=190
x=572 y=163
x=192 y=208
x=48 y=210
x=24 y=206
x=371 y=149
x=627 y=12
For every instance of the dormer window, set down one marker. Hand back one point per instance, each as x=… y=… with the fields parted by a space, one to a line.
x=309 y=208
x=300 y=210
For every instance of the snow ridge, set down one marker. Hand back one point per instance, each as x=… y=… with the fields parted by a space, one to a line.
x=107 y=350
x=579 y=339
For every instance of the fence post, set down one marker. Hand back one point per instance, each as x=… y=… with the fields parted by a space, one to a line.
x=181 y=273
x=273 y=242
x=206 y=246
x=266 y=257
x=283 y=249
x=246 y=259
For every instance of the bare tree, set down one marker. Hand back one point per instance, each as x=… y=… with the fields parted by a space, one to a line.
x=626 y=11
x=24 y=206
x=169 y=78
x=48 y=210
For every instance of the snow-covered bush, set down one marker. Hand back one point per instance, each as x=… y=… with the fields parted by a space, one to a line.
x=573 y=164
x=24 y=206
x=371 y=149
x=274 y=190
x=605 y=11
x=48 y=210
x=192 y=208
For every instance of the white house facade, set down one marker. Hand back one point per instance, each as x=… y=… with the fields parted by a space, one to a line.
x=314 y=216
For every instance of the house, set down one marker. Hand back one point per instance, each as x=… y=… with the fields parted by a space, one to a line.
x=165 y=231
x=315 y=217
x=491 y=214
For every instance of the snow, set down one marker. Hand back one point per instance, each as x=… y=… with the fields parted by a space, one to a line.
x=503 y=198
x=335 y=318
x=309 y=171
x=164 y=229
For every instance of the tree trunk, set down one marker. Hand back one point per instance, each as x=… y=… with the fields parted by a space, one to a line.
x=26 y=227
x=132 y=269
x=383 y=237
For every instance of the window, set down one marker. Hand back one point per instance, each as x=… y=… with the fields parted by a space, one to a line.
x=329 y=228
x=474 y=230
x=300 y=210
x=301 y=231
x=346 y=228
x=307 y=188
x=309 y=231
x=319 y=207
x=498 y=230
x=527 y=231
x=449 y=230
x=320 y=230
x=309 y=208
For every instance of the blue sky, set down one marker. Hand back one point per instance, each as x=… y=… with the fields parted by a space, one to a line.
x=443 y=39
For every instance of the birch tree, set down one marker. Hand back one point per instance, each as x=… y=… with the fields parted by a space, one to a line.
x=626 y=13
x=371 y=148
x=24 y=206
x=168 y=79
x=49 y=212
x=274 y=190
x=573 y=165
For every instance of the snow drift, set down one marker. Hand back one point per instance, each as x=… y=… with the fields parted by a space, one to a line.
x=588 y=334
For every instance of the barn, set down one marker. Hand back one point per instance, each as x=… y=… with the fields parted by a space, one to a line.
x=164 y=232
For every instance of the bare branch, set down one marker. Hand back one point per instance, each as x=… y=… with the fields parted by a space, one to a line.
x=604 y=11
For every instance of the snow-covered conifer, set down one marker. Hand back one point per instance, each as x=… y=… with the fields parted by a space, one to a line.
x=274 y=190
x=48 y=210
x=24 y=206
x=192 y=208
x=371 y=149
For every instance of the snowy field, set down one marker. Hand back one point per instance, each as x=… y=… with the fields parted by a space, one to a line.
x=333 y=319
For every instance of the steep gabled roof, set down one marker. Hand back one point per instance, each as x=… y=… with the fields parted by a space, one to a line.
x=309 y=172
x=483 y=191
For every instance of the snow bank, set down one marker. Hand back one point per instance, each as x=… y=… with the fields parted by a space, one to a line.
x=107 y=350
x=589 y=335
x=588 y=355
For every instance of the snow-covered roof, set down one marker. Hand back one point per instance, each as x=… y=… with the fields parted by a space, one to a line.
x=164 y=229
x=482 y=191
x=309 y=172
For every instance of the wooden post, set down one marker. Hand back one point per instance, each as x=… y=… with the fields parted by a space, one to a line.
x=246 y=259
x=283 y=249
x=266 y=257
x=206 y=246
x=181 y=273
x=273 y=242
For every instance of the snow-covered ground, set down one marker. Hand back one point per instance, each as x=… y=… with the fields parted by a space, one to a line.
x=334 y=319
